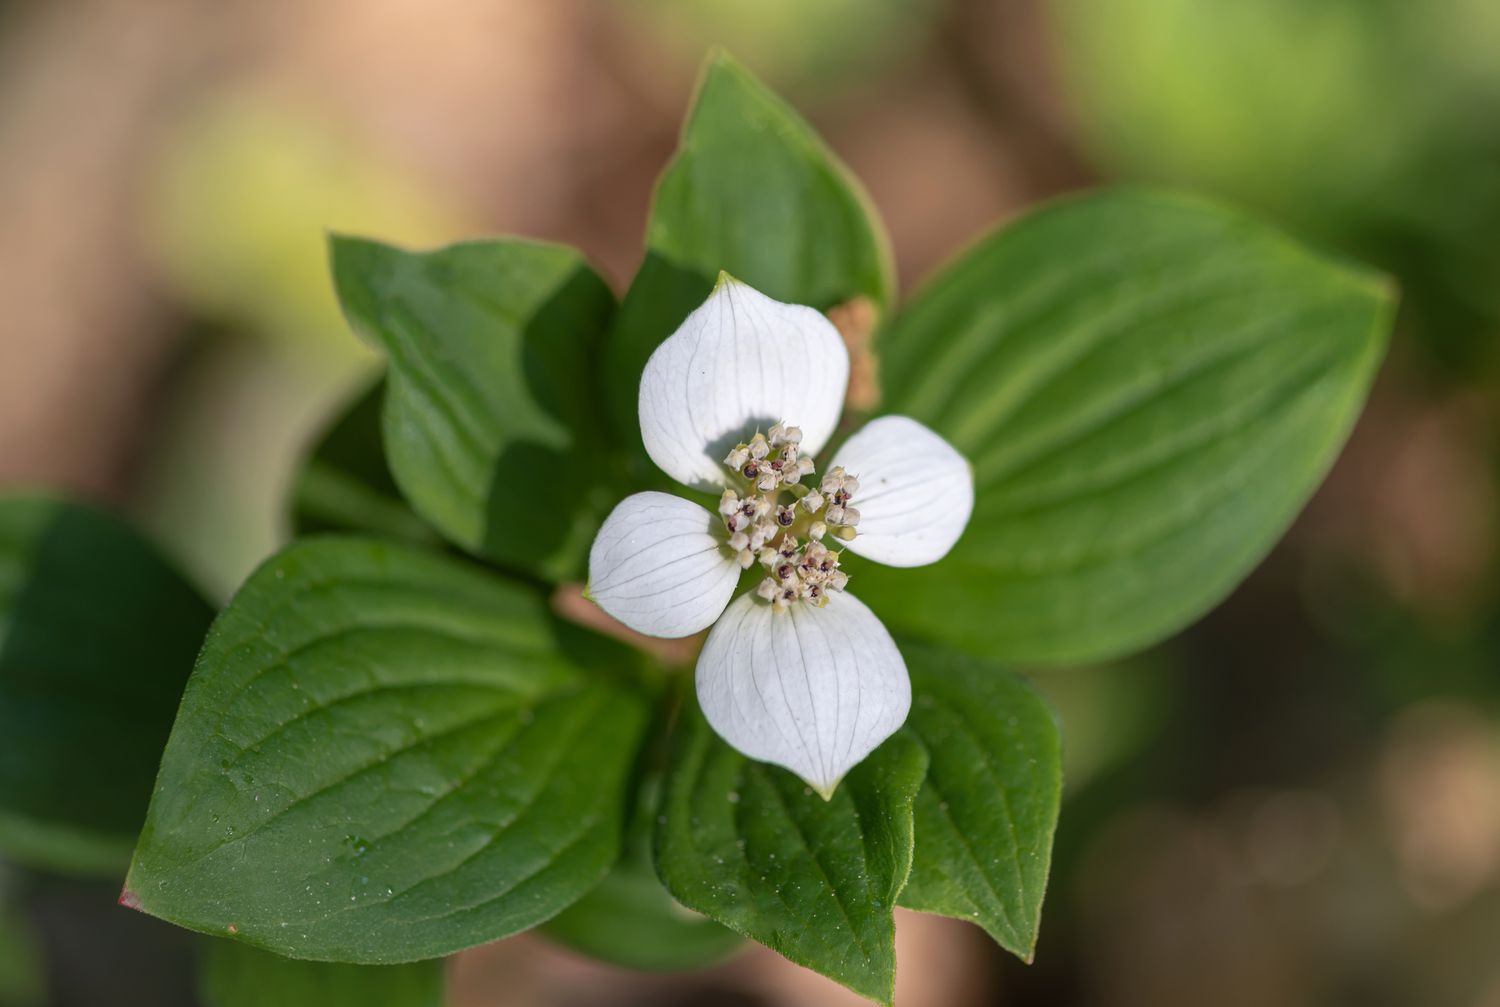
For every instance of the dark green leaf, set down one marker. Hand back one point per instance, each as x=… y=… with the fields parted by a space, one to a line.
x=1149 y=388
x=345 y=484
x=491 y=425
x=97 y=636
x=988 y=808
x=232 y=974
x=752 y=846
x=754 y=192
x=630 y=920
x=385 y=755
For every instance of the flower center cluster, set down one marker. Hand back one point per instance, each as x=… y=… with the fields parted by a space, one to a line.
x=773 y=519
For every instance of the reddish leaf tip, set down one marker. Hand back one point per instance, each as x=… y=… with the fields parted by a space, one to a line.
x=129 y=899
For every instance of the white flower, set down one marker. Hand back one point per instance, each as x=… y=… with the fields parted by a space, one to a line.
x=797 y=671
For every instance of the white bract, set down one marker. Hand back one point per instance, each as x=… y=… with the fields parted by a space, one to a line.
x=797 y=671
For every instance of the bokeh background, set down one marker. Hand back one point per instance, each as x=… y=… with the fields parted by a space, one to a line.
x=1296 y=802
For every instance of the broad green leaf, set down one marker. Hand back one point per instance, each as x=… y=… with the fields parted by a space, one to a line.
x=752 y=846
x=988 y=808
x=491 y=425
x=345 y=484
x=232 y=974
x=1149 y=388
x=752 y=191
x=97 y=636
x=385 y=755
x=630 y=920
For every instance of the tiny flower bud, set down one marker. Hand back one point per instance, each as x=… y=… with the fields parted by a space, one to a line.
x=837 y=580
x=817 y=531
x=851 y=485
x=739 y=541
x=847 y=534
x=813 y=501
x=767 y=589
x=835 y=514
x=851 y=516
x=758 y=447
x=738 y=457
x=746 y=559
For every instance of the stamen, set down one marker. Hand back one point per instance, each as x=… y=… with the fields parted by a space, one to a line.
x=775 y=521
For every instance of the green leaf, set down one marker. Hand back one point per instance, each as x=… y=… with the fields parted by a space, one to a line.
x=491 y=427
x=631 y=921
x=232 y=974
x=752 y=846
x=1149 y=388
x=385 y=755
x=345 y=484
x=988 y=808
x=97 y=636
x=753 y=191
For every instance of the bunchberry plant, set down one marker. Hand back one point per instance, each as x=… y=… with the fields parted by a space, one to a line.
x=795 y=672
x=394 y=744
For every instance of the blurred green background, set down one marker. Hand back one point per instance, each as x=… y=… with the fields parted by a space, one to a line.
x=1295 y=803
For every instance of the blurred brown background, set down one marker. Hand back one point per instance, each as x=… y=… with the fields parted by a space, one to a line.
x=1295 y=803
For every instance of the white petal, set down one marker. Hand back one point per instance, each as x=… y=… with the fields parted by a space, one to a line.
x=739 y=362
x=916 y=491
x=660 y=566
x=811 y=689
